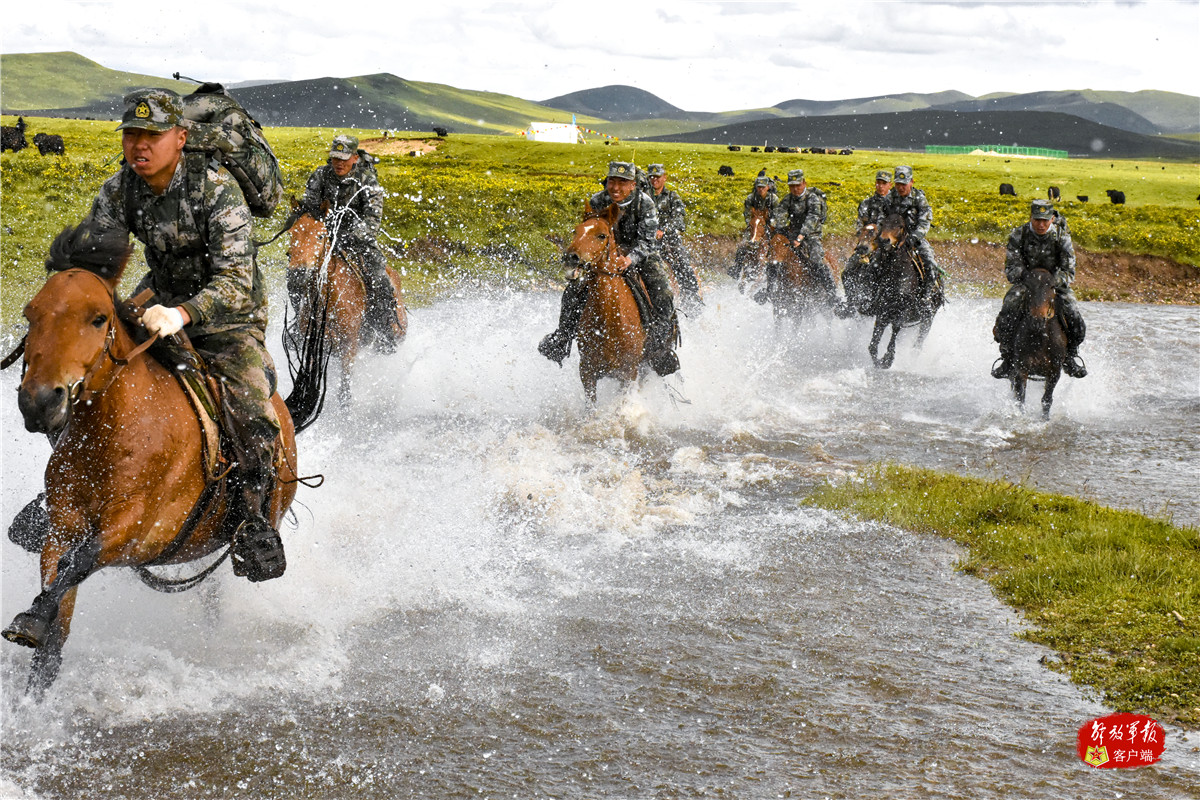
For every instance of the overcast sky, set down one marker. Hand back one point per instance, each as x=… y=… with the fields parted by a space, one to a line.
x=699 y=56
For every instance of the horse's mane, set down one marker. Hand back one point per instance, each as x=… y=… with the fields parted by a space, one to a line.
x=104 y=253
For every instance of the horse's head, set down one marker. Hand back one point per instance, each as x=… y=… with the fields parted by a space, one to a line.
x=308 y=242
x=1039 y=284
x=594 y=242
x=757 y=228
x=890 y=233
x=72 y=323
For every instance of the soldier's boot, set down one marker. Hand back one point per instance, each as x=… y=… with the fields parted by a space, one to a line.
x=1073 y=365
x=823 y=276
x=31 y=525
x=1075 y=329
x=660 y=334
x=257 y=552
x=381 y=307
x=556 y=346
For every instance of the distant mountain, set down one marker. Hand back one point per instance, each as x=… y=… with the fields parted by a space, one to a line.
x=912 y=130
x=1105 y=113
x=618 y=103
x=880 y=104
x=68 y=80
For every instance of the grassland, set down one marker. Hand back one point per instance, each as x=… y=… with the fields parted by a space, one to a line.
x=1114 y=594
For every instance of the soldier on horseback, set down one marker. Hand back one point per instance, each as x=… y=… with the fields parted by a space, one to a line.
x=912 y=206
x=672 y=221
x=192 y=217
x=858 y=277
x=349 y=185
x=635 y=234
x=762 y=196
x=1040 y=244
x=800 y=216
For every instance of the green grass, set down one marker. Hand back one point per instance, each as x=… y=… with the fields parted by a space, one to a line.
x=501 y=197
x=1116 y=594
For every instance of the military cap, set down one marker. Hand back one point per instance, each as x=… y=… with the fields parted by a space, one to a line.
x=1041 y=209
x=656 y=170
x=153 y=110
x=795 y=176
x=343 y=147
x=883 y=175
x=763 y=180
x=903 y=174
x=622 y=169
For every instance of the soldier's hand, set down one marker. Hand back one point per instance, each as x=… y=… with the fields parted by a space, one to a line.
x=163 y=320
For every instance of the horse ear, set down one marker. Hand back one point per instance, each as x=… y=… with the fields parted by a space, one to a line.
x=587 y=207
x=104 y=253
x=295 y=203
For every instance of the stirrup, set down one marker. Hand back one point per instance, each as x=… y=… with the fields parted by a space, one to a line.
x=1002 y=368
x=665 y=362
x=1073 y=365
x=257 y=552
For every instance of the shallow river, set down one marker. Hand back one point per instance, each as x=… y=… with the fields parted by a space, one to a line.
x=501 y=593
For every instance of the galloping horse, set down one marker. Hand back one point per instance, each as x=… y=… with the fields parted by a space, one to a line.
x=751 y=253
x=612 y=339
x=333 y=302
x=1039 y=342
x=899 y=301
x=790 y=286
x=131 y=481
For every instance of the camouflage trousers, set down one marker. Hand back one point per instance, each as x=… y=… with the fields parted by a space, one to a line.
x=812 y=255
x=246 y=371
x=676 y=256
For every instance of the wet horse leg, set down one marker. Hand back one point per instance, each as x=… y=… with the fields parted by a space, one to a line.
x=47 y=659
x=890 y=355
x=876 y=337
x=1048 y=394
x=31 y=628
x=1018 y=388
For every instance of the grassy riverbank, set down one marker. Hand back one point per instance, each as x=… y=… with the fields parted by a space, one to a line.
x=1115 y=594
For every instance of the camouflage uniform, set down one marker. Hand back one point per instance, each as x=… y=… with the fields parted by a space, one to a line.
x=753 y=201
x=858 y=277
x=635 y=232
x=801 y=215
x=198 y=246
x=918 y=218
x=672 y=222
x=1054 y=252
x=356 y=206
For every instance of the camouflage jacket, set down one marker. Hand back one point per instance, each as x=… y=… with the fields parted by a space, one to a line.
x=798 y=216
x=671 y=211
x=636 y=225
x=1053 y=251
x=871 y=211
x=197 y=237
x=915 y=209
x=359 y=191
x=753 y=201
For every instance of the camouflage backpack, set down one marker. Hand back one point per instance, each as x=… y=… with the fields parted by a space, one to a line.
x=822 y=205
x=218 y=125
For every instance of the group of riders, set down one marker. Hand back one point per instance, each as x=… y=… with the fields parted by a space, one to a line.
x=190 y=214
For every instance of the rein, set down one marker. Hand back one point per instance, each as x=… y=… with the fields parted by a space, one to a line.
x=79 y=391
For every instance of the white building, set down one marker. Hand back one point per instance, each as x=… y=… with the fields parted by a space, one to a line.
x=562 y=132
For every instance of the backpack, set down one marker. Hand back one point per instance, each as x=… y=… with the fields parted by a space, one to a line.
x=822 y=205
x=219 y=126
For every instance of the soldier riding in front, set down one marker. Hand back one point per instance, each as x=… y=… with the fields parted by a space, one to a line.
x=1040 y=243
x=858 y=277
x=635 y=234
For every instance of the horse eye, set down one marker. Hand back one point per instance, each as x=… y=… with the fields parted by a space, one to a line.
x=99 y=321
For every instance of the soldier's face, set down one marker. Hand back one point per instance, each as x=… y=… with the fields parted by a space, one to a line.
x=798 y=188
x=904 y=189
x=762 y=190
x=658 y=182
x=882 y=188
x=619 y=189
x=1040 y=226
x=342 y=166
x=153 y=154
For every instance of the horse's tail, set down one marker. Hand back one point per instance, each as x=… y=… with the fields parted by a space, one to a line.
x=307 y=350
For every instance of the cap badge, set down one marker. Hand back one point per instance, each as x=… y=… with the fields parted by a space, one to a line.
x=142 y=111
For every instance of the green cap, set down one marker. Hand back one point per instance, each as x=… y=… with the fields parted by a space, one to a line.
x=1041 y=209
x=622 y=169
x=903 y=174
x=763 y=180
x=656 y=170
x=153 y=110
x=343 y=147
x=795 y=176
x=883 y=175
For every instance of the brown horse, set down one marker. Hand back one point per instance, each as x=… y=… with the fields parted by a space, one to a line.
x=790 y=286
x=752 y=252
x=128 y=482
x=611 y=336
x=899 y=301
x=332 y=301
x=1039 y=342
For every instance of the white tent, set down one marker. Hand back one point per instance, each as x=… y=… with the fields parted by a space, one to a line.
x=562 y=132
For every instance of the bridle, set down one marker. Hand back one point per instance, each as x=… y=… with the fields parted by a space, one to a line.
x=610 y=250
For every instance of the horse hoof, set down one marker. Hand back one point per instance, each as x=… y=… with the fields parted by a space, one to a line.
x=27 y=630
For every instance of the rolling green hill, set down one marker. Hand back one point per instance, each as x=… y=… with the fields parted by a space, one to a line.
x=66 y=80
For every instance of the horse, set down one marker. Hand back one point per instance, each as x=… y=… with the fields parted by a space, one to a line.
x=611 y=338
x=899 y=301
x=1039 y=341
x=790 y=286
x=331 y=301
x=132 y=480
x=751 y=253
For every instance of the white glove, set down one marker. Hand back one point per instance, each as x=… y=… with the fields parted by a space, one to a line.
x=163 y=320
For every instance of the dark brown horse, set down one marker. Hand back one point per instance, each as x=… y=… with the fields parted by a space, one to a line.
x=331 y=317
x=1039 y=341
x=129 y=482
x=790 y=287
x=751 y=254
x=899 y=300
x=611 y=336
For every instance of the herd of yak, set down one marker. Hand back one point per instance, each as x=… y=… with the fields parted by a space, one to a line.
x=13 y=138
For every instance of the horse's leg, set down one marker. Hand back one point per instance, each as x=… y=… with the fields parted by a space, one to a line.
x=33 y=627
x=876 y=337
x=47 y=659
x=1048 y=394
x=890 y=355
x=1018 y=387
x=923 y=330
